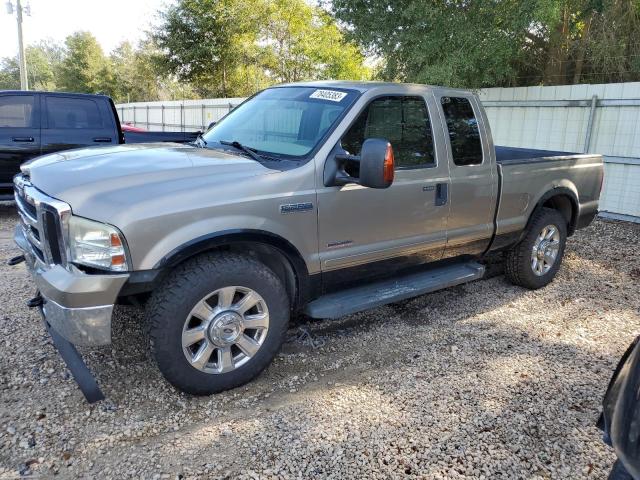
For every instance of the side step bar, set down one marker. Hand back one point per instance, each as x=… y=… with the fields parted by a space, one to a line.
x=339 y=304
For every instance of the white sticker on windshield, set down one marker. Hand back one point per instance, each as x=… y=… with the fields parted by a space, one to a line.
x=332 y=95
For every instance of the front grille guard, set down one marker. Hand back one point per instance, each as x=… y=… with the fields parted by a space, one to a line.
x=43 y=220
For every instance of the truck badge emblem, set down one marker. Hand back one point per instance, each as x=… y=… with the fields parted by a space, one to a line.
x=339 y=244
x=296 y=207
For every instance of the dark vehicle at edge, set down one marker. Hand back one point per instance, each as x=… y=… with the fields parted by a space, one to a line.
x=34 y=123
x=620 y=419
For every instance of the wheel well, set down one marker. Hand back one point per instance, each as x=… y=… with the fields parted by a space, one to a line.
x=562 y=200
x=271 y=256
x=275 y=252
x=565 y=205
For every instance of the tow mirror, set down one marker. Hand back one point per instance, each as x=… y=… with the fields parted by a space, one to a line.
x=373 y=168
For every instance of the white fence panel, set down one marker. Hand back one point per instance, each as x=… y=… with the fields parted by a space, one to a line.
x=176 y=116
x=621 y=190
x=558 y=118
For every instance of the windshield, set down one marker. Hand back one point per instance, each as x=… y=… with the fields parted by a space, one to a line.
x=285 y=121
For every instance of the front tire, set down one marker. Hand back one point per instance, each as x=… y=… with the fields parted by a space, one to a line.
x=216 y=322
x=534 y=262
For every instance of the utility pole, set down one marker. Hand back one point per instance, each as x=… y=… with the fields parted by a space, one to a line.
x=24 y=83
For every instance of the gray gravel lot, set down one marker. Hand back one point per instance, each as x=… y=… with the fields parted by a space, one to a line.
x=485 y=380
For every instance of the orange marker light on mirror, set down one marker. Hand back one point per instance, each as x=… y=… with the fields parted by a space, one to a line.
x=389 y=165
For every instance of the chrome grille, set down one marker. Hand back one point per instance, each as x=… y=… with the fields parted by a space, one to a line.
x=42 y=219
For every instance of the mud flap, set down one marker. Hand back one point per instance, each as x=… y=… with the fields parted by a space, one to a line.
x=72 y=358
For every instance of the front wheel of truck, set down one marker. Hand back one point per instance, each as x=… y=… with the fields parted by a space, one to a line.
x=216 y=322
x=534 y=262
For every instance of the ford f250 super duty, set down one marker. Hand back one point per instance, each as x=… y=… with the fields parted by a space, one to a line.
x=322 y=198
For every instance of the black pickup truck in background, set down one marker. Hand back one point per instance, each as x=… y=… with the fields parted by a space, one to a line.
x=37 y=123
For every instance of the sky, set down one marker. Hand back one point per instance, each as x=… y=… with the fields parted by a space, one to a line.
x=110 y=21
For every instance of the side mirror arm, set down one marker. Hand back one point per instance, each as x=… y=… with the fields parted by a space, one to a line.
x=342 y=177
x=343 y=157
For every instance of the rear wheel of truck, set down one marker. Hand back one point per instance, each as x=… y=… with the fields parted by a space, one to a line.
x=216 y=322
x=534 y=262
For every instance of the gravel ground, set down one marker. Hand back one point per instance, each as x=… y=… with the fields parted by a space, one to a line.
x=484 y=380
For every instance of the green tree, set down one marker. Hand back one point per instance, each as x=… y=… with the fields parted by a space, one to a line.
x=85 y=68
x=483 y=43
x=137 y=76
x=123 y=62
x=588 y=41
x=8 y=71
x=457 y=43
x=302 y=42
x=43 y=61
x=612 y=49
x=209 y=42
x=560 y=30
x=235 y=47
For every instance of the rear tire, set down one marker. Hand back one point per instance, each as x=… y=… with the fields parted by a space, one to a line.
x=534 y=262
x=216 y=322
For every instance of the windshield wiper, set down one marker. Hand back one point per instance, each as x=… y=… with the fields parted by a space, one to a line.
x=252 y=152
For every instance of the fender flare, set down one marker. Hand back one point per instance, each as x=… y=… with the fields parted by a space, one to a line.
x=229 y=237
x=554 y=192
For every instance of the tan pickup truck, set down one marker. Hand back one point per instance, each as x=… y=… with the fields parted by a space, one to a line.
x=325 y=198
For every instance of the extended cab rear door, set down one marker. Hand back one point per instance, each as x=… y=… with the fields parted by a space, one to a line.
x=367 y=232
x=76 y=121
x=474 y=182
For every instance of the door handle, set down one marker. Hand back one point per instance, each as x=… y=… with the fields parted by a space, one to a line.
x=442 y=194
x=22 y=139
x=102 y=139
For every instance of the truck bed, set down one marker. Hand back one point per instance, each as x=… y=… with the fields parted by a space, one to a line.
x=513 y=155
x=526 y=174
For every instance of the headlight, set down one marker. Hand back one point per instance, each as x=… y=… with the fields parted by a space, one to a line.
x=96 y=244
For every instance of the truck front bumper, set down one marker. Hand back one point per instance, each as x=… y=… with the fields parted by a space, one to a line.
x=77 y=305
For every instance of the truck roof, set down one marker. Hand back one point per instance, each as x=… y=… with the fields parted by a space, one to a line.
x=361 y=86
x=39 y=92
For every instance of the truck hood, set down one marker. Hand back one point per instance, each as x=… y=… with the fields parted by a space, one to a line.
x=118 y=174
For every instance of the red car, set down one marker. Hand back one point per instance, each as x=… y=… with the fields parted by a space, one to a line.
x=130 y=128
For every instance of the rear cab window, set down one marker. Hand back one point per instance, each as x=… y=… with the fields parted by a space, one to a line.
x=18 y=111
x=69 y=113
x=462 y=127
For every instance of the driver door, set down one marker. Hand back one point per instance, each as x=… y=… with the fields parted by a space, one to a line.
x=365 y=232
